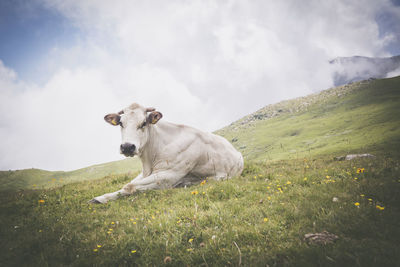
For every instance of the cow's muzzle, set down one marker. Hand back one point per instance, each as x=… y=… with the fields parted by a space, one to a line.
x=128 y=149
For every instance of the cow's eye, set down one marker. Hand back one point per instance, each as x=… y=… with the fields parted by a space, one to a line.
x=141 y=126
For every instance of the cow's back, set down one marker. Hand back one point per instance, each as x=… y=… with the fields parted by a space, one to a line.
x=217 y=157
x=207 y=154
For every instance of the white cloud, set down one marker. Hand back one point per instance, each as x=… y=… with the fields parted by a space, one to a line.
x=204 y=63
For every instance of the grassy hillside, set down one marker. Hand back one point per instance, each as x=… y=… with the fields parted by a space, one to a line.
x=360 y=117
x=291 y=186
x=40 y=179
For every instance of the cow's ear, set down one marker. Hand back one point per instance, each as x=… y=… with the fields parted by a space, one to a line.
x=112 y=119
x=154 y=117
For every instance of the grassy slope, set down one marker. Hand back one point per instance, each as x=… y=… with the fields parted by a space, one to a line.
x=40 y=179
x=257 y=219
x=361 y=117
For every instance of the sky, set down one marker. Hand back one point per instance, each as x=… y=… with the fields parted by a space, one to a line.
x=204 y=63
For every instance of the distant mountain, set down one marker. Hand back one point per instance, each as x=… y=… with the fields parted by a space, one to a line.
x=357 y=68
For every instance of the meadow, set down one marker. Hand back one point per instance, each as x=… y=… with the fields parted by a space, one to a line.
x=257 y=219
x=291 y=186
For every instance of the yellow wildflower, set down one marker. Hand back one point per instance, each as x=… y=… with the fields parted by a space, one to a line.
x=41 y=201
x=362 y=195
x=133 y=251
x=288 y=182
x=265 y=219
x=99 y=246
x=305 y=179
x=360 y=170
x=195 y=192
x=190 y=240
x=357 y=204
x=380 y=207
x=203 y=182
x=189 y=249
x=112 y=222
x=95 y=250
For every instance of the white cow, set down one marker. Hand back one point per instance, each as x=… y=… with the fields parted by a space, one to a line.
x=172 y=155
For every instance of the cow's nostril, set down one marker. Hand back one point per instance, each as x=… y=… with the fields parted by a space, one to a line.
x=127 y=148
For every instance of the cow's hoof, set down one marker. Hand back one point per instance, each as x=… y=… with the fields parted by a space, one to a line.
x=94 y=201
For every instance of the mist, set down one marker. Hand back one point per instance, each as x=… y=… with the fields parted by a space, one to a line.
x=352 y=69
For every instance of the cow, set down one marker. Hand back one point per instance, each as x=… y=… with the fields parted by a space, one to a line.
x=172 y=155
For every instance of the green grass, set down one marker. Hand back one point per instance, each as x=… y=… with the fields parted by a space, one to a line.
x=41 y=179
x=195 y=229
x=258 y=219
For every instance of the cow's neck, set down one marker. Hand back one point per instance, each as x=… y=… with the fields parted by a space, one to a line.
x=158 y=138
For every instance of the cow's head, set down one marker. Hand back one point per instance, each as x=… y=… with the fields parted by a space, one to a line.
x=135 y=122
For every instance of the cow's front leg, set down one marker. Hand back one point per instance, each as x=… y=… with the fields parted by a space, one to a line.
x=159 y=180
x=128 y=189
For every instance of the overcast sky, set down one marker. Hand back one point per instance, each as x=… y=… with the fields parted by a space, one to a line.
x=65 y=64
